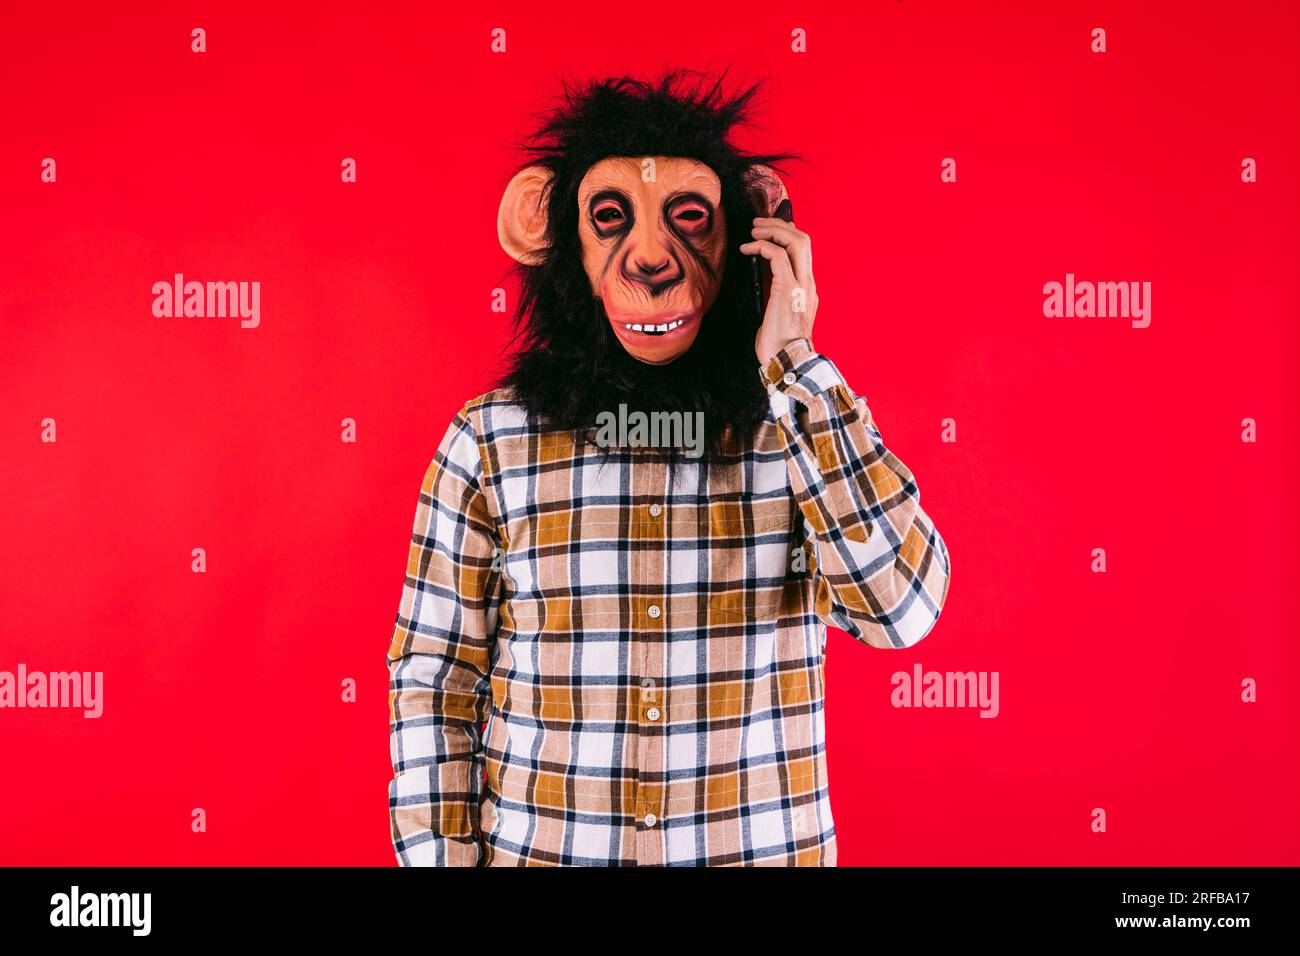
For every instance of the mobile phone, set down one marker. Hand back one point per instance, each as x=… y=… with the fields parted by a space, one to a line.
x=784 y=210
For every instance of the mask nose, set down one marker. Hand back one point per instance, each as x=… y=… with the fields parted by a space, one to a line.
x=651 y=264
x=648 y=267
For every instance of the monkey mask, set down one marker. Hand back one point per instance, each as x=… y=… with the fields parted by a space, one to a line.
x=653 y=241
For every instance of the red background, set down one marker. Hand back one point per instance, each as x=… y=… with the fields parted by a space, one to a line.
x=222 y=690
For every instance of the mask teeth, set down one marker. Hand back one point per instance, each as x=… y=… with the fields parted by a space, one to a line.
x=652 y=329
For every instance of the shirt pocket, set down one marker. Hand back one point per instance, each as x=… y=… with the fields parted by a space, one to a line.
x=752 y=553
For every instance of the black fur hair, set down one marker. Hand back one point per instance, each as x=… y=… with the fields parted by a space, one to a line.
x=569 y=365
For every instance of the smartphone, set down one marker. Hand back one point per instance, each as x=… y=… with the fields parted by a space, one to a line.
x=784 y=210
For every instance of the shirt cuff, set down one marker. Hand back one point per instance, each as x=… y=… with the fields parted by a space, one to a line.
x=796 y=373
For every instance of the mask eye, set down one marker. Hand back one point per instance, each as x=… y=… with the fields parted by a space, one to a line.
x=691 y=218
x=608 y=216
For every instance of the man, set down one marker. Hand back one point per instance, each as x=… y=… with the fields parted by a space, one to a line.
x=642 y=628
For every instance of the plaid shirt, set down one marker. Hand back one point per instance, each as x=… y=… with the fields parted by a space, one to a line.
x=646 y=650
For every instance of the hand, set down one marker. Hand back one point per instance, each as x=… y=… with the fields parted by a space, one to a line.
x=792 y=300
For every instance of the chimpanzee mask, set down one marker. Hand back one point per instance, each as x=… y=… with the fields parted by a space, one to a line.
x=625 y=228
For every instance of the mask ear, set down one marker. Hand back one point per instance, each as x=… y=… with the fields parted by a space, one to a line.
x=521 y=220
x=765 y=189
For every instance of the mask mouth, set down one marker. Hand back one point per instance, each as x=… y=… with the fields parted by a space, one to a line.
x=656 y=339
x=653 y=328
x=662 y=328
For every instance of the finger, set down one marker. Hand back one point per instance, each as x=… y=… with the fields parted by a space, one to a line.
x=798 y=245
x=775 y=255
x=783 y=232
x=780 y=224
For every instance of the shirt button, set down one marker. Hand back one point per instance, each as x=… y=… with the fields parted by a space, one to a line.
x=652 y=713
x=656 y=511
x=651 y=819
x=653 y=610
x=789 y=378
